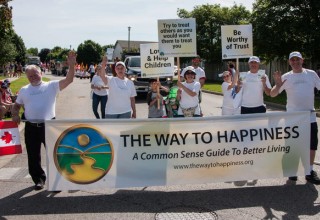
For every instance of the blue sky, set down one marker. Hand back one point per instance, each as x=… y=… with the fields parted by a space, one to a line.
x=65 y=23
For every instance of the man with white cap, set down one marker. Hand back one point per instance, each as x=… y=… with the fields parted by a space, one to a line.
x=299 y=84
x=253 y=85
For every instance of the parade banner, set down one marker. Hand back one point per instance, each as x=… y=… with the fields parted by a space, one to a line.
x=177 y=37
x=154 y=65
x=236 y=41
x=9 y=138
x=91 y=154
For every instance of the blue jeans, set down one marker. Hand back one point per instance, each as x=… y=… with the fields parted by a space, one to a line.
x=96 y=99
x=124 y=115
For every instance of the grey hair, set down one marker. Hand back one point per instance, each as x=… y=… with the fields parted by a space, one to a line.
x=33 y=67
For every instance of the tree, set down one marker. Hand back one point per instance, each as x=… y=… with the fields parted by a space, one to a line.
x=32 y=51
x=89 y=52
x=44 y=55
x=7 y=48
x=209 y=19
x=19 y=48
x=280 y=27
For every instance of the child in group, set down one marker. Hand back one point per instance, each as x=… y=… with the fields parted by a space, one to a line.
x=156 y=110
x=229 y=104
x=188 y=95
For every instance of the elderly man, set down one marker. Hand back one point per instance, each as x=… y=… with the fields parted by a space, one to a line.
x=253 y=85
x=38 y=100
x=299 y=84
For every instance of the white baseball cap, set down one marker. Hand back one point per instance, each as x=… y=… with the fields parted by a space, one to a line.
x=295 y=54
x=254 y=59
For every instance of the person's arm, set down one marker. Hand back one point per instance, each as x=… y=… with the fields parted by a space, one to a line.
x=102 y=70
x=70 y=75
x=133 y=107
x=266 y=89
x=234 y=80
x=278 y=83
x=188 y=91
x=202 y=81
x=15 y=112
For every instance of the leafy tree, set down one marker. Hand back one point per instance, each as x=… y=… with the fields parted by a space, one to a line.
x=20 y=48
x=281 y=27
x=32 y=51
x=44 y=55
x=209 y=19
x=89 y=52
x=7 y=48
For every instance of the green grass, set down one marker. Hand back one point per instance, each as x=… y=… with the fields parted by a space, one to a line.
x=280 y=99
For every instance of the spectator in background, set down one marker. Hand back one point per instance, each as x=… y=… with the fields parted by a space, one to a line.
x=5 y=100
x=91 y=70
x=100 y=94
x=299 y=85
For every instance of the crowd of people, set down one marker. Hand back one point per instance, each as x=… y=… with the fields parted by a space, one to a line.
x=243 y=94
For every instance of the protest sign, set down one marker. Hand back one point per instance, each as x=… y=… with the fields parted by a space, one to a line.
x=177 y=37
x=236 y=41
x=90 y=154
x=154 y=65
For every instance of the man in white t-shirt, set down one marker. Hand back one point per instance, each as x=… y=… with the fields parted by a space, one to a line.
x=253 y=85
x=38 y=99
x=299 y=85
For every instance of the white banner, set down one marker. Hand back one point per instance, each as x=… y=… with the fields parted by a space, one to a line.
x=90 y=154
x=177 y=37
x=154 y=65
x=236 y=41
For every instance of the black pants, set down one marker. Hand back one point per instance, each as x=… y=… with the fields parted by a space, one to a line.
x=34 y=135
x=253 y=110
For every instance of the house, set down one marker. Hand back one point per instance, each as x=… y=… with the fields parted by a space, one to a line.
x=122 y=46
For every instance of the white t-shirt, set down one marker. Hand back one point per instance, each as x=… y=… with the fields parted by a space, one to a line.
x=199 y=73
x=300 y=91
x=228 y=103
x=252 y=90
x=188 y=101
x=120 y=92
x=97 y=81
x=39 y=101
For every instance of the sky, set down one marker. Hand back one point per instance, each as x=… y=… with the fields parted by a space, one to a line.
x=68 y=23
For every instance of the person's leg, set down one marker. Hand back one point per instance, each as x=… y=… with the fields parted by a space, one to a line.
x=95 y=103
x=103 y=104
x=313 y=176
x=33 y=138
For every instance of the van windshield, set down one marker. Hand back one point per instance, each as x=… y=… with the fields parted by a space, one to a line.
x=135 y=62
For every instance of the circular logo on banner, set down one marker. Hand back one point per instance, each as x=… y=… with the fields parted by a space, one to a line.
x=83 y=155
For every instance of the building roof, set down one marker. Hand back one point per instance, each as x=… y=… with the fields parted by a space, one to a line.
x=133 y=44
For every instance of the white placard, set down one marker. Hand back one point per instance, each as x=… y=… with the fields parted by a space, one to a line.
x=177 y=37
x=236 y=41
x=153 y=64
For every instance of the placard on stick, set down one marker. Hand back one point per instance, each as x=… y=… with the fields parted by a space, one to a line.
x=154 y=65
x=177 y=37
x=236 y=41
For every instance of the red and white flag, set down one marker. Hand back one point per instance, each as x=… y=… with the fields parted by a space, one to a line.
x=9 y=138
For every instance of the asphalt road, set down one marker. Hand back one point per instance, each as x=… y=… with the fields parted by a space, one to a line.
x=264 y=199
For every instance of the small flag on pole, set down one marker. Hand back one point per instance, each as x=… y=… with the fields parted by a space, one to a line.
x=9 y=138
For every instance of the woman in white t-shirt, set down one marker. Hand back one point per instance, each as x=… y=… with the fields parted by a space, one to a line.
x=229 y=106
x=99 y=94
x=188 y=95
x=121 y=99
